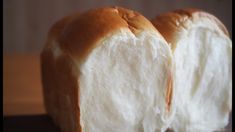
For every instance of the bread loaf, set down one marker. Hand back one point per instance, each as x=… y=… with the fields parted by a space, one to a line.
x=107 y=70
x=202 y=77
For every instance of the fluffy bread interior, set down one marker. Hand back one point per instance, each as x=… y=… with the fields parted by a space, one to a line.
x=203 y=85
x=123 y=84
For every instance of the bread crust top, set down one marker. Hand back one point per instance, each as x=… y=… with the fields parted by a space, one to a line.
x=78 y=34
x=171 y=24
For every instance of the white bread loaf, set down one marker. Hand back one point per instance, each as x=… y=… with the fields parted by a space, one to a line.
x=107 y=70
x=202 y=56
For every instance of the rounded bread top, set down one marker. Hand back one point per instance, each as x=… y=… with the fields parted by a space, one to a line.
x=77 y=34
x=172 y=24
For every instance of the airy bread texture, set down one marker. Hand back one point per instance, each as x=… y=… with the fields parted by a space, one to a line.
x=202 y=58
x=107 y=70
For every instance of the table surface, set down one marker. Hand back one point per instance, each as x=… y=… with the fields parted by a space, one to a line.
x=29 y=123
x=22 y=88
x=22 y=95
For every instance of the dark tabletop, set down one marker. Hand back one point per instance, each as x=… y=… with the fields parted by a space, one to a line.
x=43 y=123
x=35 y=123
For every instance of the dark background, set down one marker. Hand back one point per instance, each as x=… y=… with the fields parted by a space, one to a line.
x=26 y=22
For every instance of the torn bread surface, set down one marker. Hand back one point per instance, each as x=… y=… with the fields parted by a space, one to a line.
x=123 y=84
x=203 y=86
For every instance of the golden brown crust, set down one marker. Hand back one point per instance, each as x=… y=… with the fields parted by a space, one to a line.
x=169 y=91
x=57 y=28
x=170 y=24
x=60 y=90
x=82 y=33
